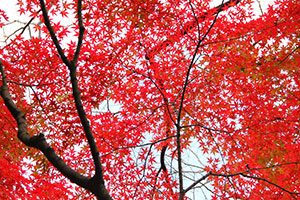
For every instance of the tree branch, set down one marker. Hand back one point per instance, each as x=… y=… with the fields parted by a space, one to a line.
x=86 y=125
x=187 y=27
x=196 y=182
x=52 y=34
x=245 y=174
x=81 y=32
x=75 y=87
x=94 y=184
x=178 y=139
x=38 y=141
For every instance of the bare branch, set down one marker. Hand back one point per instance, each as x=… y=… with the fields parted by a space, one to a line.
x=196 y=182
x=259 y=5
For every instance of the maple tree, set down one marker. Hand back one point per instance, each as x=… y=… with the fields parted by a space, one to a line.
x=207 y=99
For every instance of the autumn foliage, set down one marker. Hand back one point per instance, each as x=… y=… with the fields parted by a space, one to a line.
x=149 y=99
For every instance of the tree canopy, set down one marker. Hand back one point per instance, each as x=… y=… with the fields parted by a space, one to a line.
x=151 y=99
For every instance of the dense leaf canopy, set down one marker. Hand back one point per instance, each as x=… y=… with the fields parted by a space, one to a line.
x=177 y=98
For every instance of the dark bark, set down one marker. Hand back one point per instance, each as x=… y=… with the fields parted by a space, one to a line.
x=93 y=184
x=96 y=185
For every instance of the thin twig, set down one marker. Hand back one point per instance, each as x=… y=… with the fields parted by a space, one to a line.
x=178 y=135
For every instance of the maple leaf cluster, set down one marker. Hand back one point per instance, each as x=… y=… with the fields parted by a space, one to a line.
x=151 y=99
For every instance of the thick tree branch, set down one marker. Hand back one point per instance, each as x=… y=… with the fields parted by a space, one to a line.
x=86 y=126
x=81 y=32
x=79 y=106
x=94 y=184
x=38 y=141
x=52 y=34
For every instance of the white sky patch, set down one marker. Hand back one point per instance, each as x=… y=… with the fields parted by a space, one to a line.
x=15 y=20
